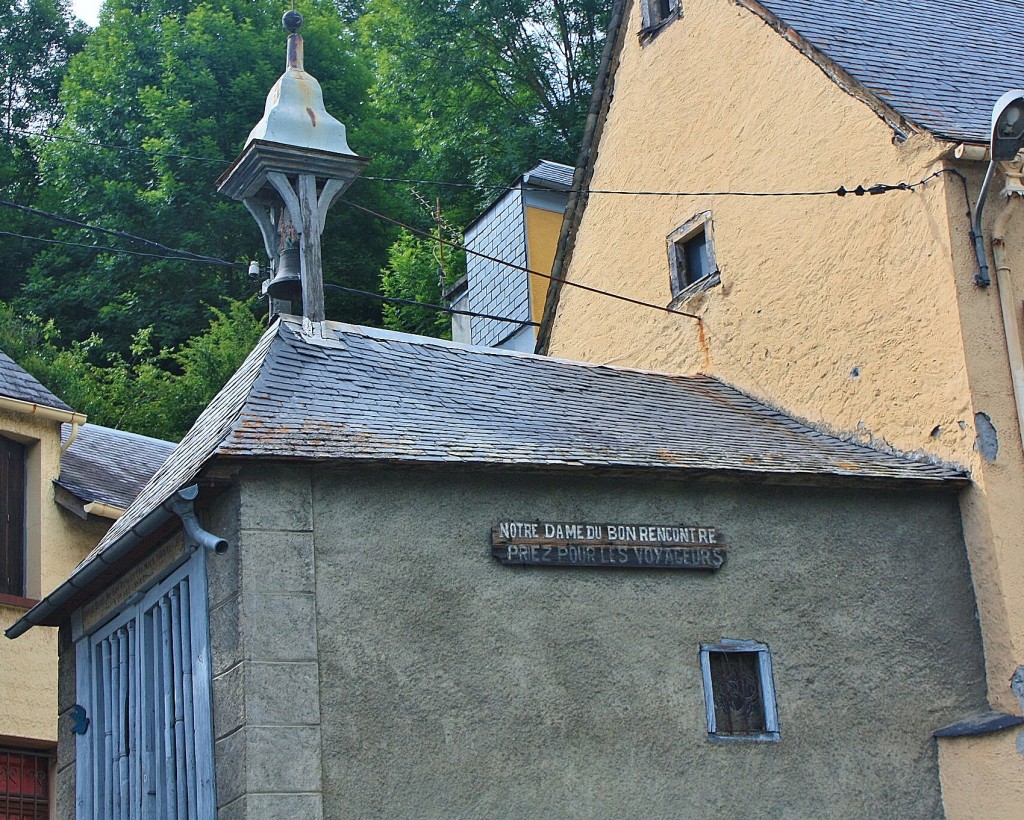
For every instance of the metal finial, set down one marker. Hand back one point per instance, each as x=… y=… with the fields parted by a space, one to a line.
x=292 y=21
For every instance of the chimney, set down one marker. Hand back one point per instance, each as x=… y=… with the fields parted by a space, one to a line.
x=295 y=164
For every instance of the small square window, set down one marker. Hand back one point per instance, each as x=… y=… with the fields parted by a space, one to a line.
x=738 y=691
x=658 y=13
x=691 y=256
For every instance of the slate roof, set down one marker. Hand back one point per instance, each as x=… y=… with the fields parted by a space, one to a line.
x=550 y=175
x=940 y=63
x=109 y=466
x=15 y=383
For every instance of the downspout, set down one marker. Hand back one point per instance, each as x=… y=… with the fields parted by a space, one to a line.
x=93 y=568
x=181 y=505
x=1013 y=192
x=71 y=438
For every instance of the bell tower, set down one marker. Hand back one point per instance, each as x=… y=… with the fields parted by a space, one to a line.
x=295 y=164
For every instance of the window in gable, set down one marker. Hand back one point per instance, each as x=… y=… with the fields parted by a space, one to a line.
x=691 y=257
x=656 y=14
x=739 y=694
x=12 y=517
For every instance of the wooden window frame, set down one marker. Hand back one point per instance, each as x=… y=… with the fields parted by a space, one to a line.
x=14 y=510
x=681 y=289
x=652 y=21
x=767 y=685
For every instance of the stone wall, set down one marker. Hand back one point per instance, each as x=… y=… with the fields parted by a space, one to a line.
x=263 y=638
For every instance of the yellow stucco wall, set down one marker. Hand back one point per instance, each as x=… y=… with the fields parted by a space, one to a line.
x=542 y=229
x=983 y=777
x=856 y=313
x=57 y=541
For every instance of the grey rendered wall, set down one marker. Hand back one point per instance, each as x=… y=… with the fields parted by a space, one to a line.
x=451 y=685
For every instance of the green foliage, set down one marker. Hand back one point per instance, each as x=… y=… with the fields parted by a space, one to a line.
x=37 y=37
x=413 y=272
x=155 y=392
x=174 y=88
x=486 y=88
x=160 y=98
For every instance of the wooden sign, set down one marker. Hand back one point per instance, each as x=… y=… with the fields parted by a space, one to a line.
x=638 y=546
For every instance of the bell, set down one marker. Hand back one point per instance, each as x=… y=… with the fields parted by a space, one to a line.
x=287 y=283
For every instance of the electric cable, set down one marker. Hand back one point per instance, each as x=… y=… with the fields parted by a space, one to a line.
x=176 y=254
x=223 y=262
x=524 y=269
x=104 y=248
x=841 y=191
x=399 y=301
x=128 y=148
x=193 y=257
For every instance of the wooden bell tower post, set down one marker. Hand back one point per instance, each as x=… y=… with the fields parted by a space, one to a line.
x=295 y=164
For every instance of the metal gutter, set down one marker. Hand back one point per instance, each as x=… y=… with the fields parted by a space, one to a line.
x=41 y=410
x=180 y=503
x=104 y=510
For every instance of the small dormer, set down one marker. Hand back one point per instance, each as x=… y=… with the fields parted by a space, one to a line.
x=521 y=228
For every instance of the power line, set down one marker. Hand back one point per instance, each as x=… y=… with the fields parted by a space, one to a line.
x=841 y=191
x=128 y=148
x=399 y=301
x=104 y=248
x=354 y=291
x=522 y=268
x=188 y=255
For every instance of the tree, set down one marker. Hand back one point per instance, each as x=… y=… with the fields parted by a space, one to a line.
x=37 y=37
x=156 y=392
x=157 y=105
x=414 y=272
x=500 y=83
x=487 y=88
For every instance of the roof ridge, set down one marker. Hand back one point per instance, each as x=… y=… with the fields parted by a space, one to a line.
x=411 y=338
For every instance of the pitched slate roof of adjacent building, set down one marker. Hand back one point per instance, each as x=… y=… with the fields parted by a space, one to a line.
x=550 y=174
x=15 y=383
x=939 y=63
x=109 y=466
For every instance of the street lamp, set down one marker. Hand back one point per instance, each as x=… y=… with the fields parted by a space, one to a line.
x=1007 y=139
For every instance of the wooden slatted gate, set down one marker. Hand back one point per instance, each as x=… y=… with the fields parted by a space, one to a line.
x=150 y=743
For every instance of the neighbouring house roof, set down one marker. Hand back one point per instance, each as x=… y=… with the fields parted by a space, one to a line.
x=941 y=64
x=553 y=176
x=109 y=466
x=16 y=383
x=549 y=174
x=360 y=395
